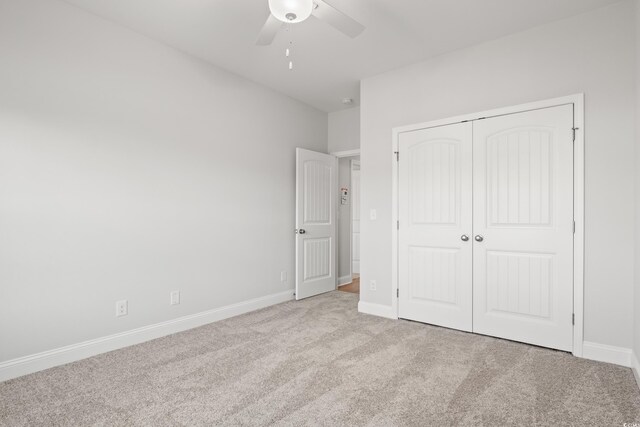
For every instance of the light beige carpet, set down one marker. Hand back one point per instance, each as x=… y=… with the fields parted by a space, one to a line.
x=319 y=362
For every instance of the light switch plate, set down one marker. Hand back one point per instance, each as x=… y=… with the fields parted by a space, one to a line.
x=174 y=298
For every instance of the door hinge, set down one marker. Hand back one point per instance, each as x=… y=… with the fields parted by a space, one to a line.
x=574 y=133
x=573 y=318
x=397 y=153
x=397 y=225
x=398 y=293
x=574 y=227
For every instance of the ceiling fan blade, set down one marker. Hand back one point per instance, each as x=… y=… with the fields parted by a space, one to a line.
x=269 y=31
x=337 y=19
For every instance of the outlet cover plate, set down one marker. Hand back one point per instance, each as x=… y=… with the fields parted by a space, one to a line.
x=122 y=308
x=174 y=298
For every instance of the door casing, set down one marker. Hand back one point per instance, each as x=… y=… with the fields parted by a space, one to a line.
x=577 y=101
x=341 y=155
x=353 y=167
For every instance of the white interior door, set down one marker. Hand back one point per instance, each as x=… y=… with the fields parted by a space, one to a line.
x=316 y=177
x=435 y=250
x=523 y=215
x=355 y=217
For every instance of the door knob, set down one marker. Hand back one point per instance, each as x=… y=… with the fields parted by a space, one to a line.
x=479 y=238
x=302 y=231
x=464 y=238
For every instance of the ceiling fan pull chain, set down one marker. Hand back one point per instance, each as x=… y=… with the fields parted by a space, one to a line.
x=288 y=51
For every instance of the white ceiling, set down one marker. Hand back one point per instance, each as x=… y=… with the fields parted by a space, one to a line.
x=328 y=64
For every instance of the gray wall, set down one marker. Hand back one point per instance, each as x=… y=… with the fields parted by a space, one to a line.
x=591 y=53
x=344 y=130
x=344 y=135
x=636 y=310
x=128 y=170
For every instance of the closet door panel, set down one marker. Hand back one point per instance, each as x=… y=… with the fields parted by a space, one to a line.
x=435 y=212
x=523 y=217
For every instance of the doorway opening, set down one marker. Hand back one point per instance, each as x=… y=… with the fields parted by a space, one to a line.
x=349 y=224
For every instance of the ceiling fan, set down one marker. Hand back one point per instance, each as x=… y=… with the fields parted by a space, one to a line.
x=293 y=11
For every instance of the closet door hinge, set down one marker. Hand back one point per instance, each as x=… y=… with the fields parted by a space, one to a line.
x=397 y=153
x=397 y=225
x=574 y=133
x=574 y=227
x=573 y=318
x=398 y=293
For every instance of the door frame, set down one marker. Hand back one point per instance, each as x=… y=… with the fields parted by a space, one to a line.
x=578 y=196
x=341 y=155
x=352 y=165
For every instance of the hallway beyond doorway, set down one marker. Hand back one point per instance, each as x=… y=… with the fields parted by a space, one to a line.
x=353 y=287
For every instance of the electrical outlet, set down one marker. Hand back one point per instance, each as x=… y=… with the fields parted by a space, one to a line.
x=372 y=285
x=174 y=298
x=283 y=276
x=122 y=308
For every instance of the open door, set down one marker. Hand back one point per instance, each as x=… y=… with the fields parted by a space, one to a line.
x=316 y=195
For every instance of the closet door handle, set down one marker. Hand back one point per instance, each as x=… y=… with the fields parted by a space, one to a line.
x=464 y=238
x=479 y=238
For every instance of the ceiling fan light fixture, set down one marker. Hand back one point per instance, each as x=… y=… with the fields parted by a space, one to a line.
x=291 y=11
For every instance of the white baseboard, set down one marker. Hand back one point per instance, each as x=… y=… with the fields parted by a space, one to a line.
x=377 y=310
x=607 y=353
x=344 y=280
x=635 y=367
x=60 y=356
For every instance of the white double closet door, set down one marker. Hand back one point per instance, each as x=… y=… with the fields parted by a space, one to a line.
x=486 y=226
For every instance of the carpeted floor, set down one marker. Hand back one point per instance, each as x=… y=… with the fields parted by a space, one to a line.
x=319 y=362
